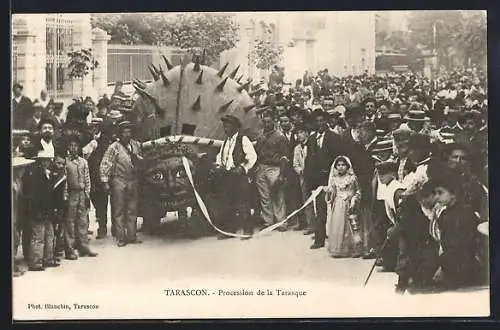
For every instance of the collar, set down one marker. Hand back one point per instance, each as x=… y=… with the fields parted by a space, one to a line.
x=425 y=161
x=37 y=120
x=18 y=99
x=371 y=142
x=43 y=142
x=234 y=136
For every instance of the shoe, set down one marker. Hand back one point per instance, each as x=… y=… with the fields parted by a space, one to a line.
x=309 y=232
x=17 y=273
x=317 y=246
x=88 y=254
x=121 y=244
x=36 y=268
x=72 y=257
x=51 y=264
x=222 y=237
x=281 y=229
x=298 y=228
x=370 y=255
x=356 y=255
x=90 y=232
x=245 y=238
x=135 y=241
x=400 y=289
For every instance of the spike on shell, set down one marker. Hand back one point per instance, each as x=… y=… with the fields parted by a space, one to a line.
x=252 y=94
x=232 y=75
x=197 y=66
x=163 y=77
x=153 y=73
x=222 y=70
x=169 y=65
x=225 y=106
x=250 y=107
x=242 y=87
x=220 y=86
x=197 y=104
x=199 y=81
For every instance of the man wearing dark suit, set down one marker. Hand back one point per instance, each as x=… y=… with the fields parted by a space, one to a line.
x=363 y=165
x=22 y=108
x=323 y=147
x=32 y=123
x=292 y=190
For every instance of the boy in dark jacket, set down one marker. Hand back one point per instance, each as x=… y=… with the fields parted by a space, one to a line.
x=59 y=178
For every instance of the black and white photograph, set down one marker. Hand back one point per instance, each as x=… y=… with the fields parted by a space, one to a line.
x=248 y=165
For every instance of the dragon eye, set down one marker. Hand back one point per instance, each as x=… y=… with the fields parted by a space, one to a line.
x=157 y=176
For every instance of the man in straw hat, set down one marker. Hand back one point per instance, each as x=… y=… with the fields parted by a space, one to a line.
x=119 y=175
x=235 y=159
x=18 y=166
x=416 y=120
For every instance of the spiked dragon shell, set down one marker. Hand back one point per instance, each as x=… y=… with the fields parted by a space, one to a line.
x=191 y=98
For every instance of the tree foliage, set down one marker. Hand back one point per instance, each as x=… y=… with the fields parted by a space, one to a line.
x=194 y=32
x=81 y=63
x=455 y=31
x=266 y=54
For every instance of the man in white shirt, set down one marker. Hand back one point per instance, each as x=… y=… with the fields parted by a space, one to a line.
x=235 y=159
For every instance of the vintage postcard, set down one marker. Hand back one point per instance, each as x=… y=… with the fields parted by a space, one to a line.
x=199 y=165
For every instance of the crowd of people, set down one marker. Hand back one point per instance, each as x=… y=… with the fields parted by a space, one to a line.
x=401 y=161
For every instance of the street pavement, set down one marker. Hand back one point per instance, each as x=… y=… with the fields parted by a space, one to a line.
x=129 y=282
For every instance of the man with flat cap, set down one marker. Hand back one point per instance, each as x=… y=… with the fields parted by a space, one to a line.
x=234 y=160
x=119 y=176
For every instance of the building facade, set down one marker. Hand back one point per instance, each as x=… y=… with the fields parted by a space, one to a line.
x=312 y=41
x=40 y=47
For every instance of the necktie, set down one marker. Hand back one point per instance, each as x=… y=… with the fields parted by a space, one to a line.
x=319 y=139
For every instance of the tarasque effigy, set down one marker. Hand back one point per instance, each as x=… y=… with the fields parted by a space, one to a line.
x=178 y=115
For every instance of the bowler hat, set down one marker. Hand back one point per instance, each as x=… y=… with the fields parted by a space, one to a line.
x=402 y=134
x=230 y=119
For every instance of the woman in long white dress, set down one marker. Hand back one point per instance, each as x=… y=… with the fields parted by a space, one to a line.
x=342 y=197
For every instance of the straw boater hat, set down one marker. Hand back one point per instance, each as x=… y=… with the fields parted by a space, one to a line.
x=18 y=162
x=446 y=135
x=383 y=145
x=417 y=115
x=96 y=121
x=115 y=114
x=42 y=154
x=393 y=116
x=380 y=133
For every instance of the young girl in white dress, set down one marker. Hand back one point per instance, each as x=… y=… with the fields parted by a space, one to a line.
x=342 y=197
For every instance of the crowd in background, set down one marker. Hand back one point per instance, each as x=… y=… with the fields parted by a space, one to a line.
x=402 y=159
